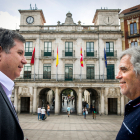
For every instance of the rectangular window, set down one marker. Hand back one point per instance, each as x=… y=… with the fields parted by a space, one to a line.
x=133 y=28
x=109 y=48
x=69 y=49
x=27 y=71
x=134 y=44
x=68 y=72
x=47 y=71
x=90 y=71
x=90 y=49
x=47 y=48
x=110 y=71
x=28 y=48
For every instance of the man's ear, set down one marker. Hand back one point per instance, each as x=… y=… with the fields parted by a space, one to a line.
x=0 y=49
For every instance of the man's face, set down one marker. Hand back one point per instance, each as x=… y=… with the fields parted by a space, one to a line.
x=12 y=63
x=129 y=83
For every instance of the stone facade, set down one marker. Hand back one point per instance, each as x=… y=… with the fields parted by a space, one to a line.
x=100 y=90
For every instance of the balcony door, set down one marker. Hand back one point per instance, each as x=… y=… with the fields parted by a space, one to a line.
x=68 y=72
x=109 y=49
x=27 y=71
x=47 y=71
x=68 y=49
x=47 y=49
x=90 y=71
x=110 y=71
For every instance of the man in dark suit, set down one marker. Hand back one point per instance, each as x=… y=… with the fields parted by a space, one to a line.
x=11 y=63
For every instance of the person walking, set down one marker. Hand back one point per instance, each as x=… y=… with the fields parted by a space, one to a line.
x=63 y=102
x=87 y=106
x=43 y=112
x=94 y=112
x=68 y=110
x=39 y=113
x=48 y=110
x=67 y=102
x=84 y=112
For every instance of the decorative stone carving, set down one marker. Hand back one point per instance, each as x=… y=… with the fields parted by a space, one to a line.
x=112 y=92
x=25 y=91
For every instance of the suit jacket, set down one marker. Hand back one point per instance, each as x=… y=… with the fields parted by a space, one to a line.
x=9 y=125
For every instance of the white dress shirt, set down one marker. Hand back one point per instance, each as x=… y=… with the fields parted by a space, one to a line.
x=7 y=85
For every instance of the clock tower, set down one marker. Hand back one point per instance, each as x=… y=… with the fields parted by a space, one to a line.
x=31 y=19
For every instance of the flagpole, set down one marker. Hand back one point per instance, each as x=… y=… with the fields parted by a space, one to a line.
x=34 y=68
x=80 y=72
x=103 y=69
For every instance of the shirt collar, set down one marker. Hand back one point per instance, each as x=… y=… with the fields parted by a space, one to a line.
x=6 y=81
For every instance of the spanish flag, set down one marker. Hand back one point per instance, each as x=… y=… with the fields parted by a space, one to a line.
x=33 y=57
x=81 y=59
x=57 y=59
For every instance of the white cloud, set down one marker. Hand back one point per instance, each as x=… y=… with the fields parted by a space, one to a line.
x=8 y=21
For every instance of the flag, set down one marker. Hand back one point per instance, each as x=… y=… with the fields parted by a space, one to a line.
x=57 y=59
x=81 y=59
x=105 y=58
x=33 y=57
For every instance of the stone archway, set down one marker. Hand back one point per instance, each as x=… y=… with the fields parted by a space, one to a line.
x=45 y=97
x=92 y=97
x=70 y=99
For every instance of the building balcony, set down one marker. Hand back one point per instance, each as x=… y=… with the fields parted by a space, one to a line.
x=90 y=55
x=68 y=55
x=136 y=33
x=66 y=77
x=47 y=55
x=111 y=55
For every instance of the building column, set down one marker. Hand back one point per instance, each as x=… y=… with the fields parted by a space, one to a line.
x=122 y=104
x=56 y=102
x=102 y=100
x=16 y=99
x=35 y=101
x=80 y=102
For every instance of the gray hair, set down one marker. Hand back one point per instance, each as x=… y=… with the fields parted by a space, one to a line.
x=134 y=53
x=7 y=39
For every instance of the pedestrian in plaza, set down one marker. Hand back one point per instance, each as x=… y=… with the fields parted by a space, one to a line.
x=43 y=112
x=11 y=63
x=67 y=102
x=68 y=110
x=93 y=112
x=129 y=79
x=48 y=110
x=91 y=108
x=87 y=106
x=84 y=112
x=39 y=113
x=63 y=102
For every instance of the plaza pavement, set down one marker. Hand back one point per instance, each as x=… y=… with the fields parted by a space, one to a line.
x=75 y=127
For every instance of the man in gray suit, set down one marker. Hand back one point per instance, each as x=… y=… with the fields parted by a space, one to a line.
x=11 y=63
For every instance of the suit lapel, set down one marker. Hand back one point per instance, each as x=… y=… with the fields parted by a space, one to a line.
x=8 y=102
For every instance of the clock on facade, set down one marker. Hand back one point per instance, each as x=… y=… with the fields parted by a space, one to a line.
x=29 y=20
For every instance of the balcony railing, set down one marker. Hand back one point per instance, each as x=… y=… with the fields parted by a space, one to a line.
x=47 y=54
x=111 y=54
x=63 y=77
x=90 y=54
x=134 y=34
x=68 y=54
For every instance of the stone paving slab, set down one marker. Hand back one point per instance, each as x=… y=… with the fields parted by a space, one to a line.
x=75 y=127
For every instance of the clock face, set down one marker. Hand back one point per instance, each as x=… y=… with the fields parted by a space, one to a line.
x=29 y=20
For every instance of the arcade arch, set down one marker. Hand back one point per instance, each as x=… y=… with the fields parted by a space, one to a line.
x=68 y=97
x=46 y=96
x=92 y=97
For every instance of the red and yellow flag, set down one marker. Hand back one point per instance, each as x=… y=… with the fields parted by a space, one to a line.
x=81 y=59
x=33 y=57
x=57 y=59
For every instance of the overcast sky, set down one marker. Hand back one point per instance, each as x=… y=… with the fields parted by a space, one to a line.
x=55 y=10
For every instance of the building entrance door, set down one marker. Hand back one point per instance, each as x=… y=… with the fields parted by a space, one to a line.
x=25 y=104
x=112 y=105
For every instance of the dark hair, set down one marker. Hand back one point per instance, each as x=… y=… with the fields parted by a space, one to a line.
x=7 y=38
